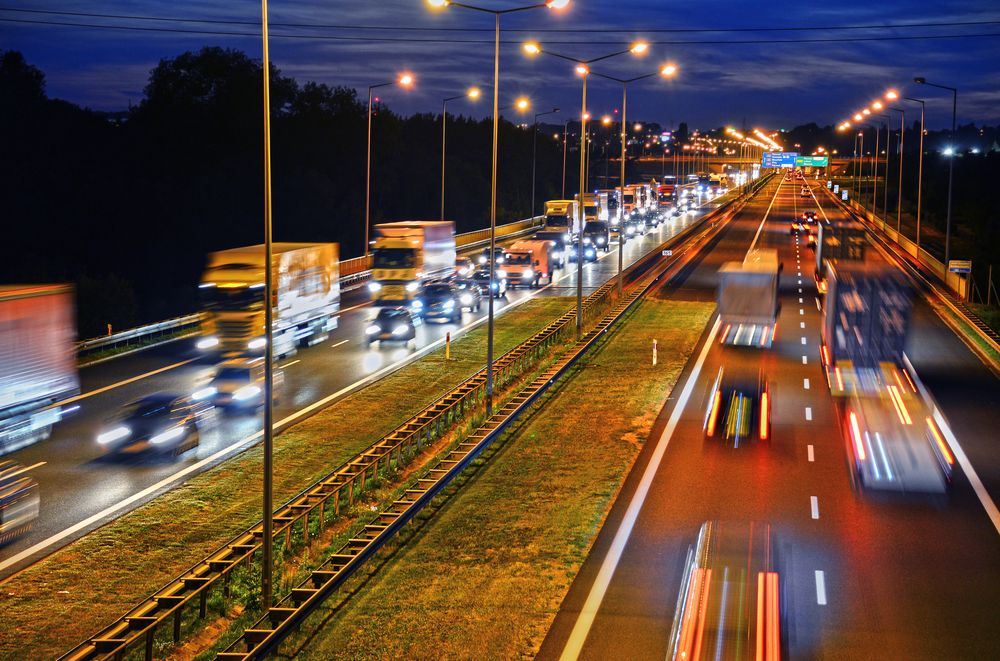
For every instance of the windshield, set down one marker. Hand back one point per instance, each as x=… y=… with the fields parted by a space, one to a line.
x=437 y=290
x=612 y=203
x=395 y=258
x=629 y=199
x=233 y=374
x=518 y=259
x=232 y=300
x=388 y=314
x=143 y=409
x=556 y=221
x=595 y=228
x=589 y=210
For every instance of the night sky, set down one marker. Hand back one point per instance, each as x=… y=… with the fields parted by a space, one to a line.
x=795 y=63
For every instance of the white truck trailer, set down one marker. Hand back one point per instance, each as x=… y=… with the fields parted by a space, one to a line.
x=747 y=299
x=408 y=254
x=305 y=300
x=527 y=263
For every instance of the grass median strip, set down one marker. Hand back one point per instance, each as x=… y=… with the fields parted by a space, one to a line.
x=485 y=579
x=70 y=595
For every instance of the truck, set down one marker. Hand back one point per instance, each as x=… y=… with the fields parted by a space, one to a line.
x=630 y=196
x=609 y=207
x=590 y=208
x=408 y=254
x=305 y=299
x=747 y=299
x=837 y=241
x=37 y=361
x=562 y=216
x=526 y=263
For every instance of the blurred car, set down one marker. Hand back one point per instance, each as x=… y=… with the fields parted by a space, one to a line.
x=238 y=384
x=589 y=252
x=739 y=406
x=483 y=257
x=469 y=293
x=805 y=192
x=392 y=325
x=811 y=241
x=596 y=233
x=634 y=226
x=798 y=226
x=729 y=604
x=19 y=501
x=482 y=278
x=809 y=217
x=463 y=267
x=438 y=300
x=894 y=444
x=161 y=423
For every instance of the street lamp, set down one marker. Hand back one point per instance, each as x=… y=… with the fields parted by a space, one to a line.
x=550 y=4
x=534 y=152
x=472 y=94
x=951 y=164
x=404 y=81
x=583 y=68
x=666 y=70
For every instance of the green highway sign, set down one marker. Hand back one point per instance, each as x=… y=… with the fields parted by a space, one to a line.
x=812 y=161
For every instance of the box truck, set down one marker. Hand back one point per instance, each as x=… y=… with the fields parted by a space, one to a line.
x=747 y=299
x=527 y=263
x=562 y=216
x=407 y=254
x=305 y=298
x=37 y=361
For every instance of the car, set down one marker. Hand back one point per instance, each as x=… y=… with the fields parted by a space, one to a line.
x=634 y=226
x=463 y=267
x=798 y=226
x=162 y=423
x=438 y=300
x=809 y=217
x=739 y=406
x=392 y=325
x=596 y=233
x=238 y=384
x=805 y=192
x=811 y=241
x=482 y=278
x=484 y=256
x=589 y=252
x=19 y=501
x=469 y=293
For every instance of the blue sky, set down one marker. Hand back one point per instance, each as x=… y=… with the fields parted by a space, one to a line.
x=802 y=69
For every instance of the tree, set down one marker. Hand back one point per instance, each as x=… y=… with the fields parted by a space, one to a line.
x=21 y=82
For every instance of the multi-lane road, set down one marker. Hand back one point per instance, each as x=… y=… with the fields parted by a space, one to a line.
x=81 y=489
x=861 y=577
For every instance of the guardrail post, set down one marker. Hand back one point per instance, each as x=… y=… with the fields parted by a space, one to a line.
x=203 y=607
x=322 y=522
x=177 y=624
x=149 y=644
x=305 y=527
x=336 y=502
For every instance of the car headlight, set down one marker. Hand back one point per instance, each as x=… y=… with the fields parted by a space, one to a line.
x=448 y=305
x=412 y=286
x=168 y=435
x=115 y=434
x=466 y=299
x=208 y=343
x=600 y=241
x=501 y=273
x=399 y=330
x=374 y=286
x=482 y=259
x=246 y=393
x=257 y=343
x=205 y=393
x=557 y=254
x=529 y=273
x=418 y=304
x=586 y=240
x=373 y=329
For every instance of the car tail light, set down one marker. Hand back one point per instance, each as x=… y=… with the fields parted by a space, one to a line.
x=763 y=337
x=859 y=446
x=714 y=415
x=765 y=415
x=826 y=356
x=840 y=379
x=909 y=380
x=725 y=334
x=940 y=441
x=897 y=401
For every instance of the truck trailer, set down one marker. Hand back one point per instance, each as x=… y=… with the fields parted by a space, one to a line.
x=747 y=299
x=527 y=263
x=305 y=300
x=562 y=216
x=37 y=361
x=408 y=254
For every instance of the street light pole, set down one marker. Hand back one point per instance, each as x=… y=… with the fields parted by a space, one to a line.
x=902 y=131
x=551 y=4
x=920 y=173
x=473 y=93
x=951 y=166
x=534 y=151
x=267 y=542
x=405 y=80
x=885 y=193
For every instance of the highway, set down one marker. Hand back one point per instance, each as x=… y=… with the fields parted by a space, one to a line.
x=81 y=489
x=862 y=577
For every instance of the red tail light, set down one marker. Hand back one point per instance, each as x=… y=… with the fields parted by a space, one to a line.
x=857 y=437
x=725 y=334
x=940 y=441
x=909 y=380
x=840 y=379
x=765 y=415
x=826 y=356
x=763 y=337
x=714 y=416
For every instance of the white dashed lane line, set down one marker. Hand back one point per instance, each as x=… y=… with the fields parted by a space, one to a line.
x=809 y=413
x=339 y=343
x=803 y=340
x=812 y=456
x=805 y=384
x=814 y=504
x=805 y=360
x=820 y=588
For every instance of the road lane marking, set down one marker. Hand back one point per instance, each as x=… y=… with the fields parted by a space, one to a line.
x=800 y=282
x=803 y=340
x=581 y=629
x=814 y=503
x=802 y=324
x=125 y=382
x=805 y=361
x=290 y=364
x=970 y=473
x=818 y=307
x=809 y=413
x=800 y=290
x=801 y=311
x=806 y=384
x=820 y=588
x=762 y=220
x=339 y=343
x=812 y=457
x=800 y=300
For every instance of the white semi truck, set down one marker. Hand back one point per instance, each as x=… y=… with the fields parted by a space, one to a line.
x=305 y=299
x=408 y=254
x=37 y=361
x=747 y=299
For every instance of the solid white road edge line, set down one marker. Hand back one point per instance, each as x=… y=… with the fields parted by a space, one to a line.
x=122 y=383
x=597 y=591
x=970 y=473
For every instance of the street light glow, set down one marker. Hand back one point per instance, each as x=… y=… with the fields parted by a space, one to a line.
x=877 y=105
x=606 y=120
x=438 y=3
x=473 y=93
x=522 y=104
x=866 y=111
x=582 y=69
x=668 y=70
x=406 y=80
x=532 y=48
x=891 y=95
x=858 y=117
x=638 y=47
x=556 y=4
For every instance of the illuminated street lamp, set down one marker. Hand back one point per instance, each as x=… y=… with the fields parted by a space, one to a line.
x=583 y=68
x=666 y=70
x=472 y=94
x=404 y=81
x=951 y=164
x=550 y=4
x=534 y=152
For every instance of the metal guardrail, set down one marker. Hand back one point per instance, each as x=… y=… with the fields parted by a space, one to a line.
x=309 y=509
x=134 y=334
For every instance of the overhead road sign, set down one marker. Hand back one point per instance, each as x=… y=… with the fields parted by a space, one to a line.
x=960 y=266
x=812 y=161
x=779 y=159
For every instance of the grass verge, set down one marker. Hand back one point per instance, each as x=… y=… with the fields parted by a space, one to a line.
x=485 y=579
x=73 y=593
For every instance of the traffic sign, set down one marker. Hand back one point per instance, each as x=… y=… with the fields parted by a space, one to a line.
x=836 y=189
x=812 y=161
x=779 y=159
x=843 y=195
x=830 y=183
x=960 y=266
